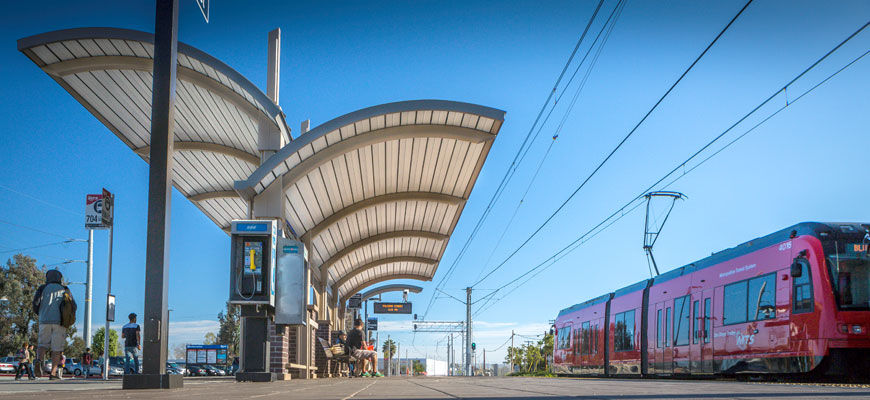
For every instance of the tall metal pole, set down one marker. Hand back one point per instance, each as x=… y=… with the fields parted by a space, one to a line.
x=89 y=288
x=389 y=354
x=159 y=203
x=468 y=366
x=511 y=352
x=106 y=353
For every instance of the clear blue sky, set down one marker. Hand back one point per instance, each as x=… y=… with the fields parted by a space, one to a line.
x=807 y=163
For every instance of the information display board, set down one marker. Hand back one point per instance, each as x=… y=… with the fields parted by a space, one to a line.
x=354 y=302
x=372 y=324
x=392 y=308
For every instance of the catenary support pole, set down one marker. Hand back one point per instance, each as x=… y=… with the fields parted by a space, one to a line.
x=155 y=331
x=468 y=365
x=89 y=289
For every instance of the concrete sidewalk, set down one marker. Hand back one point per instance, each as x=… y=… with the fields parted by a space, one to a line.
x=435 y=388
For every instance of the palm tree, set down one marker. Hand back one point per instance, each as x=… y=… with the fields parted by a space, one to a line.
x=389 y=349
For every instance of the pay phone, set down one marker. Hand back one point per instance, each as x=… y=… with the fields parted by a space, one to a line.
x=252 y=262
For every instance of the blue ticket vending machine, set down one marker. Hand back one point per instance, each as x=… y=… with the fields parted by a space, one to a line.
x=253 y=261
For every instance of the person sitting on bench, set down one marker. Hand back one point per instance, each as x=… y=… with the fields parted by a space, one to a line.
x=357 y=345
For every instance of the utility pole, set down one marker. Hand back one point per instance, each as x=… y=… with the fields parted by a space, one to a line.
x=449 y=343
x=106 y=353
x=389 y=354
x=468 y=365
x=484 y=362
x=511 y=353
x=89 y=288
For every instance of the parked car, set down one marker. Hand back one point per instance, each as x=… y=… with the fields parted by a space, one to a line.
x=175 y=369
x=8 y=365
x=215 y=371
x=197 y=370
x=70 y=366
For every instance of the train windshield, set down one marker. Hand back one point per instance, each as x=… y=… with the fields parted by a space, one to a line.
x=850 y=277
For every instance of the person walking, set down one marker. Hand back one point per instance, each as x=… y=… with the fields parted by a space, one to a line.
x=52 y=302
x=23 y=356
x=87 y=360
x=131 y=334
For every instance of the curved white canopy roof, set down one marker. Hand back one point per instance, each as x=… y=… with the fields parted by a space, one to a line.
x=377 y=192
x=217 y=113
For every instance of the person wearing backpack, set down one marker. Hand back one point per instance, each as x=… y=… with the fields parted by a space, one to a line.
x=87 y=360
x=54 y=304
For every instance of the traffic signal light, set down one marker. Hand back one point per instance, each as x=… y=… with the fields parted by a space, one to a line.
x=473 y=346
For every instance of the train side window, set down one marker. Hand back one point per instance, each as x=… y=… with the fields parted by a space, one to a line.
x=802 y=289
x=584 y=338
x=708 y=320
x=576 y=344
x=667 y=337
x=696 y=327
x=595 y=339
x=762 y=297
x=623 y=334
x=681 y=321
x=659 y=328
x=734 y=304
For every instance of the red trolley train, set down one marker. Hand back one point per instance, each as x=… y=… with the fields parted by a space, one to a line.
x=792 y=302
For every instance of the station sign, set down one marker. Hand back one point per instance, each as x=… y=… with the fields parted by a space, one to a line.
x=354 y=302
x=206 y=354
x=94 y=211
x=108 y=212
x=392 y=308
x=372 y=324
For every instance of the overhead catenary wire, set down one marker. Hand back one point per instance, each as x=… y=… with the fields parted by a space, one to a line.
x=615 y=149
x=608 y=27
x=20 y=249
x=512 y=167
x=64 y=209
x=580 y=240
x=38 y=230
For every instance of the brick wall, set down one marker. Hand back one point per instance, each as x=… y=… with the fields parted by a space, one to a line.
x=279 y=350
x=324 y=331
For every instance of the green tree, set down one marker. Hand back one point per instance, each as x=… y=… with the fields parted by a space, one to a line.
x=19 y=279
x=418 y=367
x=210 y=338
x=389 y=349
x=515 y=355
x=546 y=345
x=229 y=333
x=99 y=338
x=75 y=347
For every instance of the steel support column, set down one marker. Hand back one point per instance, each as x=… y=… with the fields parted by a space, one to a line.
x=469 y=369
x=159 y=204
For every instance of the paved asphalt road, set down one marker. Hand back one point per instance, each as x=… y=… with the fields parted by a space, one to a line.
x=436 y=388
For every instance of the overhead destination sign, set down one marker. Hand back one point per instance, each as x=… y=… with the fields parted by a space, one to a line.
x=392 y=308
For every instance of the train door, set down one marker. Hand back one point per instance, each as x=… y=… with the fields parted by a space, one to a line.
x=701 y=347
x=706 y=336
x=682 y=322
x=697 y=333
x=663 y=363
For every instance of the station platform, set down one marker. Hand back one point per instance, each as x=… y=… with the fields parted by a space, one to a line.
x=437 y=388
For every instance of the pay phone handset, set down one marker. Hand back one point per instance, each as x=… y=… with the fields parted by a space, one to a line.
x=250 y=278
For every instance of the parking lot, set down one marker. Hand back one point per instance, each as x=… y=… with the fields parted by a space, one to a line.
x=435 y=388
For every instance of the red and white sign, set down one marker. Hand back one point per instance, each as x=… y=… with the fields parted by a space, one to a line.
x=94 y=211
